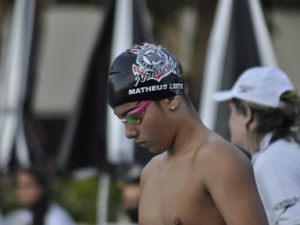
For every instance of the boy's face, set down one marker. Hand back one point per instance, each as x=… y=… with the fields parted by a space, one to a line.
x=146 y=122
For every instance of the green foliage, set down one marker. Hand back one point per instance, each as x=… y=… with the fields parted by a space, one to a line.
x=78 y=197
x=114 y=201
x=8 y=200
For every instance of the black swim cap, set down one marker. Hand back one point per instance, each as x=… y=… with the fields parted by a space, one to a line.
x=144 y=72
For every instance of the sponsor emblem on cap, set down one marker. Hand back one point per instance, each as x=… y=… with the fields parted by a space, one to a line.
x=244 y=88
x=152 y=63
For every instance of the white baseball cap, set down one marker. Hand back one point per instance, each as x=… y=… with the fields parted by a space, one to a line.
x=259 y=85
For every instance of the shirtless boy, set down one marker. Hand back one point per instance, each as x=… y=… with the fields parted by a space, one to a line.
x=197 y=177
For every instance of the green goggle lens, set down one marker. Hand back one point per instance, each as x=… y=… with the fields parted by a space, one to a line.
x=136 y=115
x=132 y=119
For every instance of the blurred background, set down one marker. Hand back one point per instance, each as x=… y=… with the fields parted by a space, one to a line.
x=55 y=55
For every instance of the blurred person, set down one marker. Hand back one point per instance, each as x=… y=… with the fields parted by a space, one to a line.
x=197 y=176
x=33 y=193
x=264 y=120
x=1 y=218
x=131 y=191
x=131 y=182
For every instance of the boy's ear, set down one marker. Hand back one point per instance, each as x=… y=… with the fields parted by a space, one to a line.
x=172 y=102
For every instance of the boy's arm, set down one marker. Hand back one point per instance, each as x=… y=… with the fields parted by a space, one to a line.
x=230 y=181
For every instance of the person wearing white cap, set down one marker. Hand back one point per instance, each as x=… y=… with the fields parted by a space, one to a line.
x=264 y=121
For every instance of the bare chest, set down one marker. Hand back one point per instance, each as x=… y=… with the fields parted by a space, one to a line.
x=177 y=196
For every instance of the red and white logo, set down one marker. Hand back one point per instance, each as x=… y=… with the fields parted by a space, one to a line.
x=152 y=63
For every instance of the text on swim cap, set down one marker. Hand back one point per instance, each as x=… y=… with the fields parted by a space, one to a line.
x=154 y=88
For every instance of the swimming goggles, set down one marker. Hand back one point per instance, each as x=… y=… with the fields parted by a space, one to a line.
x=136 y=115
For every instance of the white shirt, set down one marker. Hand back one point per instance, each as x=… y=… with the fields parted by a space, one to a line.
x=56 y=215
x=277 y=174
x=1 y=219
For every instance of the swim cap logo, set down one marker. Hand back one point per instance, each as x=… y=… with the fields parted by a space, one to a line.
x=152 y=63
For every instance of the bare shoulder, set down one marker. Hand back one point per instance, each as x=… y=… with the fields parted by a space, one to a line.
x=227 y=175
x=220 y=157
x=150 y=168
x=219 y=150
